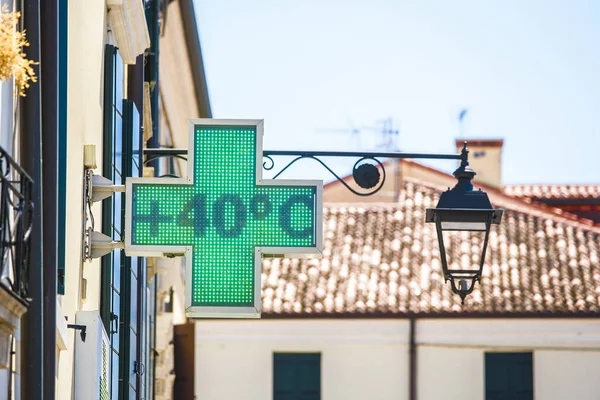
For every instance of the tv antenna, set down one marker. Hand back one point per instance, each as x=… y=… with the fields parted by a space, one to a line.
x=461 y=130
x=387 y=129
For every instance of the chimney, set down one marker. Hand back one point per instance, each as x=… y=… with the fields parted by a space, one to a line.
x=485 y=157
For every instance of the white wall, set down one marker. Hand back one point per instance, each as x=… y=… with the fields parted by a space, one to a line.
x=87 y=35
x=562 y=375
x=368 y=359
x=360 y=359
x=510 y=333
x=566 y=356
x=446 y=373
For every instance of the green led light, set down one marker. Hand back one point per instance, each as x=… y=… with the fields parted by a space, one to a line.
x=224 y=215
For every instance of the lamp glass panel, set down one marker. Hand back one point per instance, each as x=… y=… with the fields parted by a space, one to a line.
x=463 y=226
x=463 y=250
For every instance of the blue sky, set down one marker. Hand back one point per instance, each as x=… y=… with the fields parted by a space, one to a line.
x=528 y=71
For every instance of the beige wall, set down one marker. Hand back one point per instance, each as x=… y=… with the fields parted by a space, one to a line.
x=368 y=359
x=458 y=373
x=562 y=375
x=566 y=356
x=360 y=359
x=488 y=165
x=449 y=373
x=177 y=78
x=87 y=33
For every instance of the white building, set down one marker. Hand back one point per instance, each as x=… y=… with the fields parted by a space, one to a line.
x=373 y=318
x=114 y=96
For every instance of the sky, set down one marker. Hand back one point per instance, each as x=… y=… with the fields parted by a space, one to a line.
x=527 y=72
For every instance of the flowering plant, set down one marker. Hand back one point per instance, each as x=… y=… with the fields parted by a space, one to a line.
x=13 y=61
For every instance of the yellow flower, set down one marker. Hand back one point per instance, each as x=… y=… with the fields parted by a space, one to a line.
x=13 y=61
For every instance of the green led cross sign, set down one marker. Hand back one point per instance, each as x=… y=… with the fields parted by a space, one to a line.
x=223 y=217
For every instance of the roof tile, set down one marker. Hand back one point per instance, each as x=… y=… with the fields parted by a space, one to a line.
x=553 y=191
x=383 y=258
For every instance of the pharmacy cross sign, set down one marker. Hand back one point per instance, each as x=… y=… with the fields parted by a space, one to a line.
x=224 y=217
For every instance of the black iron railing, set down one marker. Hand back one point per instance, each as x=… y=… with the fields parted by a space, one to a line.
x=16 y=211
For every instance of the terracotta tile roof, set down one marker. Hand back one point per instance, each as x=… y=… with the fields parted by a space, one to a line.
x=382 y=258
x=523 y=204
x=554 y=191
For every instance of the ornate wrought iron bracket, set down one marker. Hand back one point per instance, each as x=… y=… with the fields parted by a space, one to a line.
x=368 y=171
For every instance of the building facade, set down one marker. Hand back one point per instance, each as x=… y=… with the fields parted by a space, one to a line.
x=364 y=357
x=374 y=319
x=129 y=75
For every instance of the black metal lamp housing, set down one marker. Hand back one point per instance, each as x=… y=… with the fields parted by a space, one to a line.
x=463 y=209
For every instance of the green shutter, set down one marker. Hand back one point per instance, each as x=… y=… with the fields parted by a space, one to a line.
x=296 y=376
x=106 y=298
x=62 y=143
x=508 y=376
x=113 y=292
x=123 y=285
x=132 y=281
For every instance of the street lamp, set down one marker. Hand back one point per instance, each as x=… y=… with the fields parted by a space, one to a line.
x=463 y=209
x=459 y=209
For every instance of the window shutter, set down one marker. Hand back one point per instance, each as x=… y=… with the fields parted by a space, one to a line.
x=508 y=376
x=111 y=287
x=123 y=286
x=297 y=376
x=132 y=278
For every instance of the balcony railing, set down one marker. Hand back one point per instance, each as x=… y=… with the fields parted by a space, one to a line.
x=16 y=212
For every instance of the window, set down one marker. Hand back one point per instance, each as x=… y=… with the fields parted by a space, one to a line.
x=133 y=275
x=508 y=376
x=123 y=287
x=111 y=287
x=296 y=376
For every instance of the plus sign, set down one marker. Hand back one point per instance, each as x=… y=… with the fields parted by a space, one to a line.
x=154 y=218
x=224 y=217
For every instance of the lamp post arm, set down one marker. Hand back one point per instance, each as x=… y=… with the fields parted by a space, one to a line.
x=368 y=171
x=168 y=152
x=362 y=154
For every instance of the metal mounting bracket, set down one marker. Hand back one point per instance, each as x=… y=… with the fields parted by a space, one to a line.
x=97 y=188
x=99 y=244
x=365 y=171
x=103 y=188
x=82 y=328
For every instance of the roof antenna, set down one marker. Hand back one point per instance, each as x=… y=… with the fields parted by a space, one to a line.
x=353 y=130
x=385 y=127
x=461 y=126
